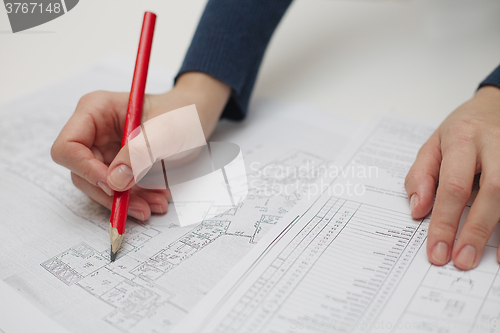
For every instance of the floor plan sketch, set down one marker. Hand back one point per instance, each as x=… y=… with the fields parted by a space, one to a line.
x=163 y=269
x=128 y=283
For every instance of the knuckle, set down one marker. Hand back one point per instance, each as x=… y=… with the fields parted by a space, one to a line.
x=494 y=134
x=492 y=185
x=479 y=231
x=86 y=174
x=443 y=228
x=92 y=98
x=414 y=177
x=77 y=181
x=87 y=98
x=60 y=152
x=461 y=139
x=55 y=152
x=411 y=178
x=464 y=125
x=456 y=188
x=465 y=131
x=462 y=133
x=426 y=147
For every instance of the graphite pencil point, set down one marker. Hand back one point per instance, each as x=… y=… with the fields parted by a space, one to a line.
x=113 y=254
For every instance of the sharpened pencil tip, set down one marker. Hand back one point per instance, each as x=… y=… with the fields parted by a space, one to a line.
x=113 y=254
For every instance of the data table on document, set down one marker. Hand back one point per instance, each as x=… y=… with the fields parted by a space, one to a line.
x=374 y=246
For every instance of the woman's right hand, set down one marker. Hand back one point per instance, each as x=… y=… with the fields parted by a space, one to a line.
x=89 y=144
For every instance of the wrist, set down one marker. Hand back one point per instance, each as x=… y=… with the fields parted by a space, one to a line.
x=205 y=87
x=208 y=94
x=489 y=92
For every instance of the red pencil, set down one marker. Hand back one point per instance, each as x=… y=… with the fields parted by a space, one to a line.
x=119 y=210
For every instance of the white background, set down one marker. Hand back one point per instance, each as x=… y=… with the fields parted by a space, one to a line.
x=355 y=58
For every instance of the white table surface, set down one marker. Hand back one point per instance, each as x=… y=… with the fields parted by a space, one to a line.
x=355 y=58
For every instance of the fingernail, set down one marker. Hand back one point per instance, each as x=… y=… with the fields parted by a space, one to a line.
x=138 y=214
x=466 y=257
x=156 y=209
x=440 y=253
x=105 y=188
x=120 y=176
x=413 y=202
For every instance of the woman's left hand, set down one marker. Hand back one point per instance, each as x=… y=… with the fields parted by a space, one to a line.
x=466 y=143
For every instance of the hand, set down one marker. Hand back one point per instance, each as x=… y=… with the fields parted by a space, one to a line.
x=466 y=143
x=89 y=144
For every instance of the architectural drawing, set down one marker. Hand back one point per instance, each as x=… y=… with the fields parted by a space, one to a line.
x=139 y=290
x=162 y=270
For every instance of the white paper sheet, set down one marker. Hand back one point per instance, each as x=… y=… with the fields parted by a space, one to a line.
x=355 y=263
x=19 y=316
x=54 y=241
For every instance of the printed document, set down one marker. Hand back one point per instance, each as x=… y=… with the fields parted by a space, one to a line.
x=54 y=241
x=355 y=261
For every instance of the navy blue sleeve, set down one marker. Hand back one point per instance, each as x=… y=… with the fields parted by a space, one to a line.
x=493 y=79
x=229 y=44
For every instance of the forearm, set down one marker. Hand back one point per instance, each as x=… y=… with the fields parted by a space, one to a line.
x=229 y=44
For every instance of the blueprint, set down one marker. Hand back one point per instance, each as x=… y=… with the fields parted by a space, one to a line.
x=355 y=263
x=54 y=248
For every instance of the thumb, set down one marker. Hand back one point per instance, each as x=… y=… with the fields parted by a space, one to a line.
x=131 y=164
x=120 y=176
x=146 y=147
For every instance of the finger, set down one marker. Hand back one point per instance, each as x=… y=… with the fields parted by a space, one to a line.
x=138 y=207
x=483 y=216
x=165 y=193
x=103 y=185
x=97 y=154
x=158 y=201
x=132 y=162
x=94 y=123
x=106 y=153
x=420 y=182
x=120 y=176
x=110 y=151
x=455 y=185
x=146 y=145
